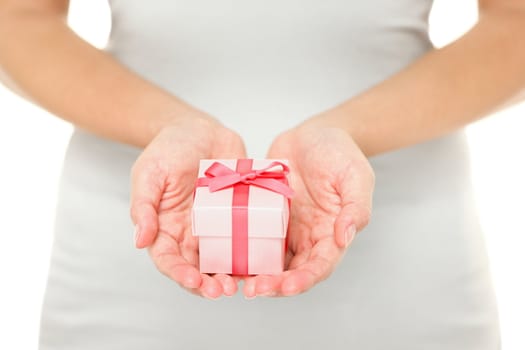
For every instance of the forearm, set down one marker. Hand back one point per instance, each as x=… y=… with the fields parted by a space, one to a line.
x=51 y=65
x=442 y=91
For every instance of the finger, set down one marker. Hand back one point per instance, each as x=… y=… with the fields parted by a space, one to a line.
x=249 y=287
x=268 y=286
x=355 y=188
x=261 y=285
x=174 y=266
x=298 y=281
x=321 y=263
x=229 y=285
x=305 y=277
x=299 y=258
x=210 y=287
x=189 y=249
x=194 y=291
x=187 y=275
x=147 y=185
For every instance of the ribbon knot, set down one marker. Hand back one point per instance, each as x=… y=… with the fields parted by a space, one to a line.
x=218 y=177
x=246 y=178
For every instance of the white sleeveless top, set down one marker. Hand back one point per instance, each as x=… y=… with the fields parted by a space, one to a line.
x=416 y=278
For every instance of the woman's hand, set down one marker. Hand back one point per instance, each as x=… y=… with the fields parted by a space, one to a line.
x=163 y=181
x=333 y=184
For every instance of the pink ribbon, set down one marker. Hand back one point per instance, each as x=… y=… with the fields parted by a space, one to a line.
x=219 y=177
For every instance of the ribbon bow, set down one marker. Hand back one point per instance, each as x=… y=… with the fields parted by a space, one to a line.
x=219 y=177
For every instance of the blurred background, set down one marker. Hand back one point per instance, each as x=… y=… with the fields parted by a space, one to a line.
x=32 y=146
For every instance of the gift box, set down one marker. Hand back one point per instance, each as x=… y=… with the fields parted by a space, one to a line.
x=240 y=214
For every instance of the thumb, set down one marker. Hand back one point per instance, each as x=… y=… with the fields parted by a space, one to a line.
x=352 y=219
x=147 y=186
x=356 y=190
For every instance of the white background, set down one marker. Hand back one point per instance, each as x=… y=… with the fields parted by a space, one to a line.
x=32 y=145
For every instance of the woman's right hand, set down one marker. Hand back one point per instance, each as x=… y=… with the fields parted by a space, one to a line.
x=163 y=181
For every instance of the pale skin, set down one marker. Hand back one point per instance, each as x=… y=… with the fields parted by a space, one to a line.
x=440 y=92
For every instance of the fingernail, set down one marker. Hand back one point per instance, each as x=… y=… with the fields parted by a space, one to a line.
x=350 y=234
x=136 y=234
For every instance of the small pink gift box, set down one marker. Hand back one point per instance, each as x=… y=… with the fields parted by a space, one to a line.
x=240 y=214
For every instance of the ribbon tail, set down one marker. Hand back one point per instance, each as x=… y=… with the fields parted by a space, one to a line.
x=203 y=182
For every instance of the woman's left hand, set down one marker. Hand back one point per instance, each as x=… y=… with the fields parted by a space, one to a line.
x=333 y=183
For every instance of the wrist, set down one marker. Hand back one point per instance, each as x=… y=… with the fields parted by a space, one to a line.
x=193 y=119
x=204 y=132
x=345 y=118
x=334 y=118
x=182 y=117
